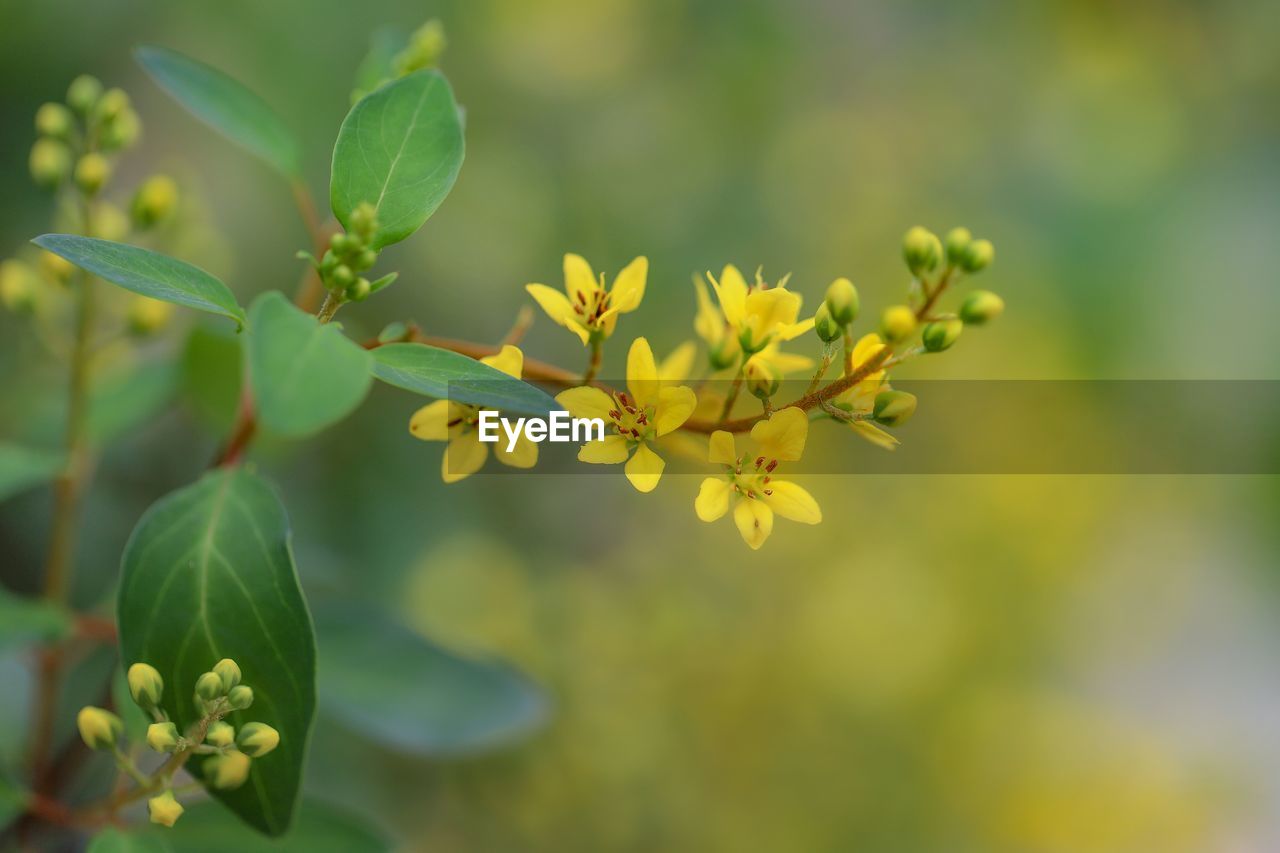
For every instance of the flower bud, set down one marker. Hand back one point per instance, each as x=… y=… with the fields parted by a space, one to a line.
x=92 y=172
x=426 y=46
x=723 y=355
x=146 y=316
x=364 y=221
x=762 y=382
x=981 y=306
x=826 y=327
x=365 y=259
x=83 y=93
x=109 y=222
x=842 y=301
x=240 y=697
x=978 y=256
x=154 y=201
x=99 y=728
x=257 y=739
x=162 y=737
x=940 y=335
x=359 y=289
x=897 y=323
x=121 y=132
x=956 y=243
x=894 y=408
x=112 y=104
x=228 y=770
x=342 y=243
x=209 y=687
x=164 y=809
x=342 y=276
x=54 y=120
x=229 y=671
x=18 y=286
x=221 y=734
x=50 y=162
x=56 y=267
x=921 y=249
x=146 y=686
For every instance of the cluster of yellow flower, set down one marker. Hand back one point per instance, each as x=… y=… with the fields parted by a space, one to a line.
x=743 y=332
x=230 y=752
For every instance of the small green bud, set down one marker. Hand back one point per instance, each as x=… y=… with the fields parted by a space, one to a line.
x=240 y=697
x=154 y=201
x=723 y=356
x=762 y=382
x=257 y=739
x=978 y=256
x=426 y=46
x=162 y=737
x=343 y=243
x=92 y=172
x=50 y=162
x=221 y=734
x=894 y=408
x=209 y=686
x=956 y=243
x=18 y=286
x=940 y=335
x=365 y=259
x=83 y=93
x=897 y=323
x=228 y=770
x=826 y=327
x=229 y=671
x=112 y=103
x=99 y=728
x=921 y=249
x=981 y=306
x=364 y=221
x=145 y=685
x=328 y=261
x=54 y=120
x=842 y=301
x=164 y=809
x=342 y=276
x=121 y=132
x=359 y=289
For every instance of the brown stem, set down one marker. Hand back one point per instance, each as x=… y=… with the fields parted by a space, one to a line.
x=931 y=296
x=308 y=295
x=524 y=319
x=593 y=365
x=332 y=303
x=246 y=427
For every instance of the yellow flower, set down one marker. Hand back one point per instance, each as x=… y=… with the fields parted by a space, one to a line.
x=750 y=483
x=591 y=310
x=649 y=411
x=861 y=398
x=227 y=771
x=456 y=423
x=165 y=810
x=758 y=314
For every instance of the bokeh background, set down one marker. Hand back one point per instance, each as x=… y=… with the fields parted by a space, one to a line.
x=978 y=663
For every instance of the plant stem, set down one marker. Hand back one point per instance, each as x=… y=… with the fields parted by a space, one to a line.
x=593 y=364
x=309 y=292
x=332 y=303
x=734 y=390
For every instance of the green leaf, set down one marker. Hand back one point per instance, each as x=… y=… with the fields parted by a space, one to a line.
x=113 y=840
x=304 y=376
x=30 y=620
x=409 y=694
x=13 y=802
x=212 y=374
x=440 y=373
x=208 y=573
x=399 y=149
x=146 y=272
x=225 y=105
x=24 y=467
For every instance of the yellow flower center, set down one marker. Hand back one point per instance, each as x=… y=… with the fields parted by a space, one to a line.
x=751 y=477
x=632 y=422
x=589 y=308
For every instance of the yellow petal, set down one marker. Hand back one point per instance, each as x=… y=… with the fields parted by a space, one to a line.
x=431 y=422
x=713 y=498
x=644 y=468
x=642 y=373
x=783 y=435
x=558 y=308
x=731 y=290
x=628 y=287
x=709 y=322
x=874 y=434
x=609 y=451
x=463 y=457
x=509 y=360
x=586 y=402
x=791 y=501
x=721 y=448
x=770 y=311
x=579 y=279
x=866 y=347
x=523 y=455
x=675 y=405
x=677 y=366
x=795 y=330
x=754 y=520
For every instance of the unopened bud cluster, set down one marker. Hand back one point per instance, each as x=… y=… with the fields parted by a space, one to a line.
x=76 y=136
x=350 y=253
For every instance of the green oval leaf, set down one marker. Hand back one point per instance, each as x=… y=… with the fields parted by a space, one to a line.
x=146 y=272
x=405 y=692
x=24 y=467
x=440 y=373
x=304 y=376
x=208 y=573
x=399 y=149
x=28 y=620
x=225 y=105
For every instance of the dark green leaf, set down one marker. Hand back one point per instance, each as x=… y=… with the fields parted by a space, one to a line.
x=304 y=376
x=208 y=573
x=24 y=467
x=146 y=272
x=212 y=374
x=225 y=105
x=376 y=67
x=411 y=695
x=440 y=373
x=30 y=620
x=399 y=149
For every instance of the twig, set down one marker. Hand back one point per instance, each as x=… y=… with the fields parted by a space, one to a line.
x=524 y=319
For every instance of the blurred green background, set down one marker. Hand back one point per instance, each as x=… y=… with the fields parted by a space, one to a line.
x=947 y=663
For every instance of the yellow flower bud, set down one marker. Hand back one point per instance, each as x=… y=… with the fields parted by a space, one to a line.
x=165 y=810
x=842 y=301
x=257 y=739
x=56 y=267
x=145 y=685
x=894 y=408
x=978 y=256
x=54 y=120
x=92 y=172
x=940 y=335
x=981 y=306
x=425 y=48
x=154 y=201
x=826 y=327
x=221 y=734
x=956 y=243
x=18 y=286
x=112 y=104
x=209 y=687
x=162 y=737
x=83 y=93
x=50 y=162
x=109 y=222
x=240 y=697
x=761 y=380
x=921 y=249
x=229 y=671
x=99 y=728
x=897 y=323
x=121 y=131
x=147 y=315
x=228 y=770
